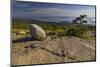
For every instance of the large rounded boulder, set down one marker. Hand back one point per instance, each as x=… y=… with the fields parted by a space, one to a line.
x=37 y=32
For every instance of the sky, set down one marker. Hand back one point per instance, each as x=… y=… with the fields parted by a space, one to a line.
x=50 y=11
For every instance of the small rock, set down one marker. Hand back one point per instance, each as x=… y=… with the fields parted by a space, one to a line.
x=20 y=33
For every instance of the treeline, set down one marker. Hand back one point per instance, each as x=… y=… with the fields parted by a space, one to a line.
x=53 y=26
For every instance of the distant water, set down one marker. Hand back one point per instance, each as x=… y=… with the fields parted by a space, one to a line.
x=90 y=20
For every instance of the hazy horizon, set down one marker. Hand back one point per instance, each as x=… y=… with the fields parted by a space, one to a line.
x=51 y=11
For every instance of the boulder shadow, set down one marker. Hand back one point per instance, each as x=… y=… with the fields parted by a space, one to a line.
x=26 y=39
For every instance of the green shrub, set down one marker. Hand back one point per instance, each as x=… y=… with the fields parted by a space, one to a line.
x=72 y=32
x=87 y=35
x=78 y=31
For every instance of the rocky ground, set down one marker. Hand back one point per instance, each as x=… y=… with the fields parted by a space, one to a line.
x=52 y=50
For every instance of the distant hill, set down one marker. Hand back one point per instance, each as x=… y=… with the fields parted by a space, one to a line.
x=24 y=23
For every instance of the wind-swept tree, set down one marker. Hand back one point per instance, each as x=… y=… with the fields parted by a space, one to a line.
x=78 y=28
x=80 y=20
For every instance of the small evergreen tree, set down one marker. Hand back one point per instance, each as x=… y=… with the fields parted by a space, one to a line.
x=78 y=27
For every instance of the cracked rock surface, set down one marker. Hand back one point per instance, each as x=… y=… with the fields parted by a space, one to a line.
x=53 y=50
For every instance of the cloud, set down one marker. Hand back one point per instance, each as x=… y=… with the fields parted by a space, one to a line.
x=23 y=10
x=20 y=4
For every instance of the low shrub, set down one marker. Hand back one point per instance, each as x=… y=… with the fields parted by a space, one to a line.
x=72 y=32
x=86 y=35
x=79 y=31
